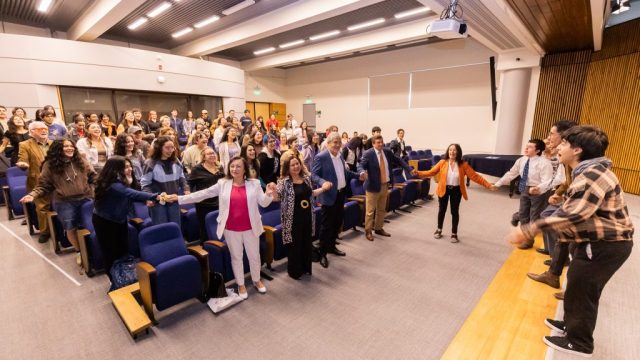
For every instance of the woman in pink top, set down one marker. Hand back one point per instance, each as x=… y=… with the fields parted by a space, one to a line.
x=239 y=218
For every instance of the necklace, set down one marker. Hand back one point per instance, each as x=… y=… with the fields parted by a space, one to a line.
x=75 y=174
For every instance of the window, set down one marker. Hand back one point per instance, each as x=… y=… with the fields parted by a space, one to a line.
x=85 y=101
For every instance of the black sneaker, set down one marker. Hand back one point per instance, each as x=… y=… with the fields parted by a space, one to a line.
x=43 y=238
x=561 y=343
x=556 y=325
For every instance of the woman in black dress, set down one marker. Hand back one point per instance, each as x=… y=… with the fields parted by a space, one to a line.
x=16 y=134
x=269 y=161
x=202 y=176
x=295 y=191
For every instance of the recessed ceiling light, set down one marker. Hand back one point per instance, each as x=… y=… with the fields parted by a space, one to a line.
x=290 y=44
x=238 y=7
x=182 y=32
x=407 y=13
x=136 y=24
x=324 y=35
x=159 y=9
x=263 y=51
x=206 y=22
x=44 y=5
x=366 y=24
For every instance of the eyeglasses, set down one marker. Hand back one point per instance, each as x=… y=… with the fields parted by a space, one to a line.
x=41 y=129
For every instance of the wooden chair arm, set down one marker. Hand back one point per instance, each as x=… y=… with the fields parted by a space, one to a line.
x=136 y=221
x=268 y=235
x=145 y=272
x=203 y=258
x=216 y=243
x=84 y=249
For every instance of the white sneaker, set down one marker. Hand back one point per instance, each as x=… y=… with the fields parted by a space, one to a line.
x=261 y=289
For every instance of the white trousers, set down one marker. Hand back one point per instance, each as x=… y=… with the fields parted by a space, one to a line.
x=235 y=241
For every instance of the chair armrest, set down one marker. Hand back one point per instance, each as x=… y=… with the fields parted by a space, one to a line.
x=203 y=258
x=268 y=235
x=357 y=199
x=136 y=221
x=216 y=243
x=145 y=273
x=84 y=249
x=54 y=239
x=399 y=186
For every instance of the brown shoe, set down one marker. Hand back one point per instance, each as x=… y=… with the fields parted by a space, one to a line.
x=546 y=278
x=369 y=235
x=559 y=296
x=525 y=246
x=381 y=232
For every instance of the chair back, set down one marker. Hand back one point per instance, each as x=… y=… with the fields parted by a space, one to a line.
x=357 y=187
x=16 y=177
x=160 y=243
x=271 y=218
x=398 y=176
x=413 y=155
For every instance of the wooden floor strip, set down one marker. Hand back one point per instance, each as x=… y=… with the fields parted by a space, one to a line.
x=508 y=321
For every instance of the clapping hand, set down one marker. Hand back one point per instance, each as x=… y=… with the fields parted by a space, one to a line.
x=326 y=186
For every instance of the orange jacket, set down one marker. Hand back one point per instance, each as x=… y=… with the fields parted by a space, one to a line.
x=442 y=168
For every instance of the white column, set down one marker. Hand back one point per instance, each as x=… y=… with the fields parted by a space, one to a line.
x=512 y=109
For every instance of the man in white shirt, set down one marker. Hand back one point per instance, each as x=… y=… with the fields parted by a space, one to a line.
x=294 y=122
x=536 y=173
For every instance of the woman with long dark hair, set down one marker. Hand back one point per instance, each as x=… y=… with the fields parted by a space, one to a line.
x=202 y=176
x=451 y=188
x=117 y=187
x=163 y=174
x=269 y=160
x=128 y=120
x=70 y=178
x=125 y=146
x=16 y=134
x=311 y=148
x=295 y=189
x=248 y=152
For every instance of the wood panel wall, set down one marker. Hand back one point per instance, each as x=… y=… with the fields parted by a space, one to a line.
x=599 y=88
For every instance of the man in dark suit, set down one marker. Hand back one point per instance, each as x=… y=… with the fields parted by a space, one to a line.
x=398 y=147
x=377 y=163
x=328 y=165
x=374 y=131
x=176 y=123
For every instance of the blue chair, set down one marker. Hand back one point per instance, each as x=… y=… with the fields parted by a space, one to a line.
x=410 y=189
x=275 y=249
x=15 y=189
x=141 y=218
x=190 y=226
x=275 y=205
x=219 y=257
x=168 y=272
x=358 y=194
x=59 y=241
x=413 y=155
x=90 y=249
x=421 y=154
x=394 y=201
x=352 y=216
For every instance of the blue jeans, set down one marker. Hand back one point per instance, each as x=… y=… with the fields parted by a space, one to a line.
x=161 y=214
x=69 y=213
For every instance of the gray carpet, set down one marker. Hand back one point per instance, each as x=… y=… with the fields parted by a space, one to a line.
x=400 y=297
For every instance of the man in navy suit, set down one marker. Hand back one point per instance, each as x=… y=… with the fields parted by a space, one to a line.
x=328 y=165
x=378 y=163
x=176 y=123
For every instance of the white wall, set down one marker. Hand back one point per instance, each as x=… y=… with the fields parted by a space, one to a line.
x=271 y=83
x=339 y=89
x=42 y=62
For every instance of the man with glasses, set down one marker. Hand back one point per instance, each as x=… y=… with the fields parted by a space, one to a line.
x=31 y=154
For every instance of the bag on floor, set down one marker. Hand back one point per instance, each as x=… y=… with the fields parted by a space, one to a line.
x=123 y=272
x=222 y=303
x=216 y=286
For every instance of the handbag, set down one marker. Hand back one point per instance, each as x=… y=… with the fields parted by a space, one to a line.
x=216 y=286
x=123 y=272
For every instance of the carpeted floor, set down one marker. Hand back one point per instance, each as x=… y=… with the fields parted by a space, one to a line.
x=403 y=297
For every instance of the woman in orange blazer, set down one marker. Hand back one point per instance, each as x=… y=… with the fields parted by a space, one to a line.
x=452 y=170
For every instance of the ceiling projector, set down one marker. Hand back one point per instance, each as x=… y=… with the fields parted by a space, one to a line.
x=448 y=29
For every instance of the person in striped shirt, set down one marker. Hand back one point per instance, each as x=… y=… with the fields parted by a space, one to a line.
x=596 y=218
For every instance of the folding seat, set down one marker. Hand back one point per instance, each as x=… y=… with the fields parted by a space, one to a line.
x=410 y=188
x=394 y=200
x=170 y=273
x=421 y=154
x=358 y=194
x=141 y=218
x=275 y=249
x=413 y=159
x=89 y=247
x=59 y=241
x=190 y=226
x=219 y=257
x=15 y=189
x=352 y=216
x=275 y=205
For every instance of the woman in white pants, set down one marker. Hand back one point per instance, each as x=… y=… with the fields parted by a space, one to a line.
x=238 y=219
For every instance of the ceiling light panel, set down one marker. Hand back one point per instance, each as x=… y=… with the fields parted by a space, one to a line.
x=159 y=9
x=291 y=44
x=264 y=51
x=366 y=24
x=408 y=13
x=44 y=5
x=324 y=35
x=136 y=24
x=206 y=22
x=238 y=7
x=182 y=32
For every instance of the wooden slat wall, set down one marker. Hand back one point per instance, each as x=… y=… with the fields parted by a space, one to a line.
x=604 y=91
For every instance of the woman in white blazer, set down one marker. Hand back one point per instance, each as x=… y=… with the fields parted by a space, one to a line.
x=239 y=218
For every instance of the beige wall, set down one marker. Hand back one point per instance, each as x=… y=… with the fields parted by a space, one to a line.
x=340 y=91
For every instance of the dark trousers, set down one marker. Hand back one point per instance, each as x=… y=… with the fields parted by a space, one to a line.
x=331 y=222
x=592 y=266
x=531 y=206
x=559 y=257
x=550 y=238
x=453 y=195
x=113 y=238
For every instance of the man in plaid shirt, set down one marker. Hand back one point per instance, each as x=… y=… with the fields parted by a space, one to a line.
x=595 y=217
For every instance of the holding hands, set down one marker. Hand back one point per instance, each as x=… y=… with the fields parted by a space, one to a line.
x=494 y=188
x=414 y=172
x=326 y=186
x=271 y=189
x=363 y=176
